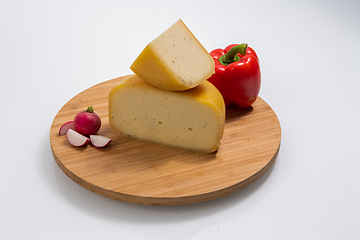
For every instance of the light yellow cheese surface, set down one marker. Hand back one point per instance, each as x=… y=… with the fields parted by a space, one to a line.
x=174 y=61
x=192 y=119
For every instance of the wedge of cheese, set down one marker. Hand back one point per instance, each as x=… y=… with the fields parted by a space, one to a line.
x=174 y=61
x=192 y=119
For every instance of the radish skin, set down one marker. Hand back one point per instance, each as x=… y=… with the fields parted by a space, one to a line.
x=65 y=127
x=87 y=122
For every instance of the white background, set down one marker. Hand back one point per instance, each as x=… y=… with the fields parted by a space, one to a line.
x=310 y=60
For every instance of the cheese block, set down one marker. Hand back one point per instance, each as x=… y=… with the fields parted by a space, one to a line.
x=174 y=61
x=192 y=119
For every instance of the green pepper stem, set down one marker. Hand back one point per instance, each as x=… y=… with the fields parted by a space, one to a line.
x=90 y=109
x=231 y=56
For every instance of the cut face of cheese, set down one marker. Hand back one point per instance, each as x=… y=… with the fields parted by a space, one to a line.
x=174 y=61
x=192 y=119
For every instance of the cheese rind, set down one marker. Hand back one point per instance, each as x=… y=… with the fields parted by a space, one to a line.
x=192 y=119
x=174 y=61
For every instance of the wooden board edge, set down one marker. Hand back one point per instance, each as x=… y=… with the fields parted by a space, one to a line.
x=153 y=201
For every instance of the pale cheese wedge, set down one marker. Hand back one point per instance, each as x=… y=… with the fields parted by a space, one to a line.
x=192 y=119
x=174 y=61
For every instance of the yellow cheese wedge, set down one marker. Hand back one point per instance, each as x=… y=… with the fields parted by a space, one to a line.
x=174 y=61
x=192 y=119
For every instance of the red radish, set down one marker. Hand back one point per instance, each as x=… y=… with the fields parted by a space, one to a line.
x=100 y=141
x=87 y=122
x=76 y=139
x=66 y=126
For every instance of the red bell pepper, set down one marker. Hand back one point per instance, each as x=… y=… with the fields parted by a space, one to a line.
x=237 y=74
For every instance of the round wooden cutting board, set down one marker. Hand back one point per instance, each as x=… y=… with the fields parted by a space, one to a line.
x=146 y=173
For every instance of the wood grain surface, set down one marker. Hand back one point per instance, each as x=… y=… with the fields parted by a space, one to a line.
x=146 y=173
